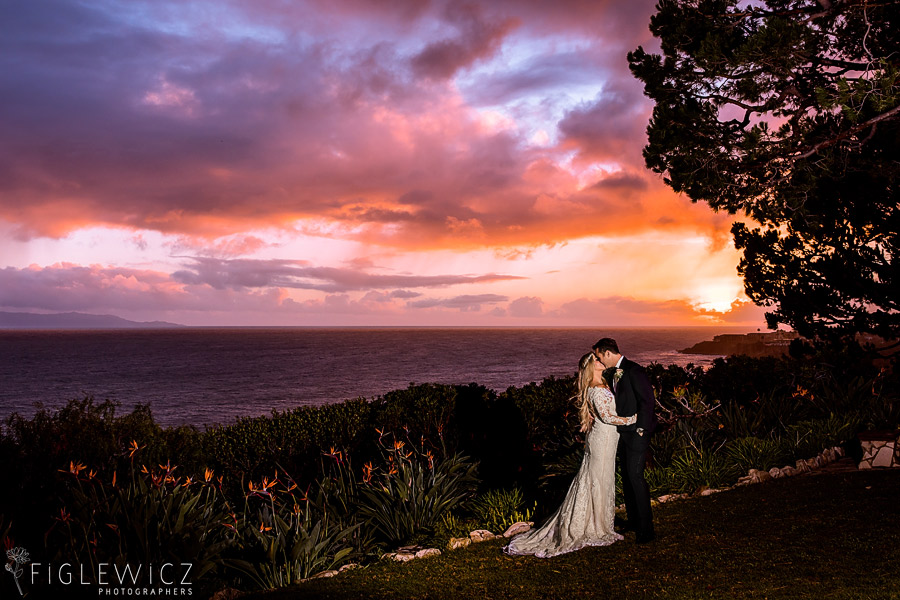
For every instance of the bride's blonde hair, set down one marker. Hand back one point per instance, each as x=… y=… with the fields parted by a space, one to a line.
x=586 y=367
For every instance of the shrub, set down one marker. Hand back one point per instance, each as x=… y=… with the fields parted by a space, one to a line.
x=740 y=421
x=755 y=453
x=453 y=526
x=412 y=489
x=693 y=469
x=808 y=438
x=660 y=480
x=152 y=517
x=286 y=543
x=498 y=510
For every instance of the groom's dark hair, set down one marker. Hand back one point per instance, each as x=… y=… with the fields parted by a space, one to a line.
x=605 y=344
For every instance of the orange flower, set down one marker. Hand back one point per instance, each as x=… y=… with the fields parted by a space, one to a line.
x=263 y=528
x=114 y=479
x=134 y=448
x=74 y=468
x=208 y=474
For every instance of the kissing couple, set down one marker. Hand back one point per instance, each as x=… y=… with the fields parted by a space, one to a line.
x=616 y=405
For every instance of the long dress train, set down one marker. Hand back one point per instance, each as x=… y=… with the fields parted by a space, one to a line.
x=586 y=515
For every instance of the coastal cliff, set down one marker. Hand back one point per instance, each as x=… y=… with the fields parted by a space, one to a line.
x=774 y=343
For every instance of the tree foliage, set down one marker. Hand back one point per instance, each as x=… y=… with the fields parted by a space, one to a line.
x=788 y=113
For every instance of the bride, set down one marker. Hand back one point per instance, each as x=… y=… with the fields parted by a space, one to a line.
x=587 y=513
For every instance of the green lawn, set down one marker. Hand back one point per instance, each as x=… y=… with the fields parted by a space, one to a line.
x=825 y=536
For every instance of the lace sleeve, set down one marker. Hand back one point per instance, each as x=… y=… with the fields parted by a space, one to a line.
x=605 y=405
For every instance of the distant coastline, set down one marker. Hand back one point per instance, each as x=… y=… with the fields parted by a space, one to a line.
x=775 y=343
x=75 y=320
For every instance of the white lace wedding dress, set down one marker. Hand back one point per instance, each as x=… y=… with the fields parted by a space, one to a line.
x=585 y=517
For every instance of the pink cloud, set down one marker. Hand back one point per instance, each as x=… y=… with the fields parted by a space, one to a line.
x=341 y=127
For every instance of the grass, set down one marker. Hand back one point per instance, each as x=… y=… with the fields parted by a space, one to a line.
x=824 y=537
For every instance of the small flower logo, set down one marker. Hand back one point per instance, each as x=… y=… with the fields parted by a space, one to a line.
x=17 y=557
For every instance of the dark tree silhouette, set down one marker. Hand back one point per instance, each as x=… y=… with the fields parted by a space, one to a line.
x=787 y=112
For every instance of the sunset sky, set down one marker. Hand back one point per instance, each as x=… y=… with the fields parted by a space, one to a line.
x=344 y=162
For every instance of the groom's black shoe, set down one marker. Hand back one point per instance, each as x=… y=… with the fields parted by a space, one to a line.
x=645 y=538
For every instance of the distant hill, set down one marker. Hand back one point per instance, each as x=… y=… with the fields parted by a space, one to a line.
x=73 y=320
x=775 y=343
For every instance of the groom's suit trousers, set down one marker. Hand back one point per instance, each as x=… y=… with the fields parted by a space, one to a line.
x=633 y=456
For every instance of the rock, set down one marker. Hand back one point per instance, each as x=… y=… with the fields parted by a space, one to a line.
x=517 y=528
x=710 y=491
x=481 y=535
x=839 y=451
x=226 y=594
x=763 y=476
x=331 y=573
x=347 y=567
x=400 y=556
x=670 y=497
x=801 y=466
x=775 y=472
x=456 y=543
x=884 y=457
x=789 y=471
x=428 y=552
x=818 y=461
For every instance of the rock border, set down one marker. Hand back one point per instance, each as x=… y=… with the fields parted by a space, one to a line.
x=753 y=476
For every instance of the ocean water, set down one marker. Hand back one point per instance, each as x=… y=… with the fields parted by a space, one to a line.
x=205 y=376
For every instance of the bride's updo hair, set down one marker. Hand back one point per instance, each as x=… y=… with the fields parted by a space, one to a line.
x=586 y=367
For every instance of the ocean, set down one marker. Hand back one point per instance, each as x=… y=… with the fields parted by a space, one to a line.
x=206 y=376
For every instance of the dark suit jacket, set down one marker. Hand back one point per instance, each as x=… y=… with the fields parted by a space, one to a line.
x=634 y=395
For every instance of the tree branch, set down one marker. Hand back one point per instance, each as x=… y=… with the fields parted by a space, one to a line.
x=853 y=130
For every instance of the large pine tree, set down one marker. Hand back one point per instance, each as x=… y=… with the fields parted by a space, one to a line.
x=788 y=111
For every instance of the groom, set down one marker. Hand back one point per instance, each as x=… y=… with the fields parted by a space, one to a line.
x=634 y=395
